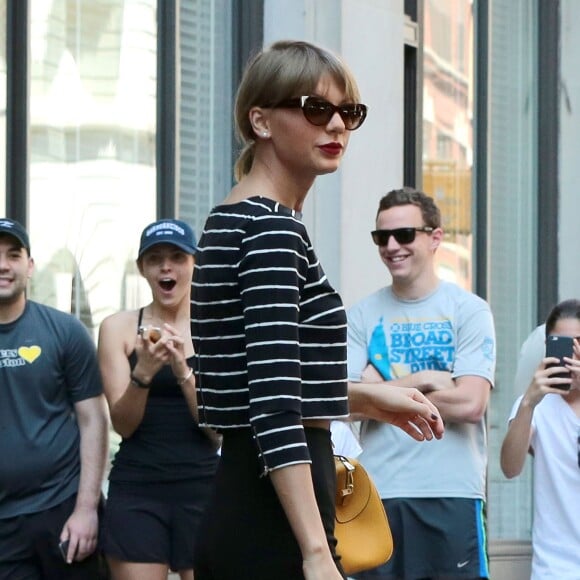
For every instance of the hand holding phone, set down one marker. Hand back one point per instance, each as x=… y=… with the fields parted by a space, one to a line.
x=560 y=347
x=63 y=547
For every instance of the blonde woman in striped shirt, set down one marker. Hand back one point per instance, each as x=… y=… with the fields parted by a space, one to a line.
x=270 y=331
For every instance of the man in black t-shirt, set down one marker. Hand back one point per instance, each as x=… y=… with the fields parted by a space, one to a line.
x=53 y=430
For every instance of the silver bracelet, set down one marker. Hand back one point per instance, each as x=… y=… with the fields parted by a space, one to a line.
x=186 y=377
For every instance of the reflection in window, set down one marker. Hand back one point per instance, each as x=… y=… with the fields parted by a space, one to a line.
x=512 y=158
x=448 y=129
x=205 y=108
x=512 y=198
x=92 y=147
x=3 y=108
x=59 y=284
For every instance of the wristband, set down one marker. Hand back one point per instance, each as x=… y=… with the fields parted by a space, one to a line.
x=186 y=377
x=139 y=383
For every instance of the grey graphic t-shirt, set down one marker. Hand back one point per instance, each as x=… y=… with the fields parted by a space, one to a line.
x=450 y=330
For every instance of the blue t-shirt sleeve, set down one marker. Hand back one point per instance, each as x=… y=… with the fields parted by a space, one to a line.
x=81 y=369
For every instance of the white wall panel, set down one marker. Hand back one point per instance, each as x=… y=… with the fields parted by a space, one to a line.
x=569 y=237
x=372 y=43
x=340 y=210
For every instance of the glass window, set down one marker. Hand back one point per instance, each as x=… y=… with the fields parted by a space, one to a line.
x=447 y=175
x=512 y=154
x=92 y=151
x=3 y=108
x=205 y=169
x=448 y=129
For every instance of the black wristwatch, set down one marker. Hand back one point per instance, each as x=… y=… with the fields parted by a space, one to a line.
x=139 y=383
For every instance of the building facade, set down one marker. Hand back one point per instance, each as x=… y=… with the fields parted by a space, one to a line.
x=117 y=112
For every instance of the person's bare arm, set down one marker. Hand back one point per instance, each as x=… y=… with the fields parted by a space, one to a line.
x=186 y=379
x=183 y=373
x=403 y=407
x=424 y=381
x=81 y=528
x=126 y=401
x=466 y=403
x=293 y=485
x=516 y=443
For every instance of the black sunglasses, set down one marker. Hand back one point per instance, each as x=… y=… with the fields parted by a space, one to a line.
x=402 y=235
x=319 y=111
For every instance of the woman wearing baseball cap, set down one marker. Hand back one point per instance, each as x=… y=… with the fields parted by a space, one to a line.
x=162 y=472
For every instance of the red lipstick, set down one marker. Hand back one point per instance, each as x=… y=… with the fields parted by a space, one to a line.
x=331 y=148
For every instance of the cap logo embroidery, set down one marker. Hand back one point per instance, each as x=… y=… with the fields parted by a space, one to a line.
x=165 y=226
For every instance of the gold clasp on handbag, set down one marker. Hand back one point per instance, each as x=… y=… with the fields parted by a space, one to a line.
x=348 y=488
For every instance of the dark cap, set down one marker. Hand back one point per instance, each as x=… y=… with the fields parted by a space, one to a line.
x=173 y=232
x=16 y=230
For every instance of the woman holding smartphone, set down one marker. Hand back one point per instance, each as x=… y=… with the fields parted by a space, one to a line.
x=270 y=331
x=545 y=422
x=163 y=470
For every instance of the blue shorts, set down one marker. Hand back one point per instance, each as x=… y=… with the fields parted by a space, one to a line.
x=154 y=523
x=29 y=548
x=435 y=539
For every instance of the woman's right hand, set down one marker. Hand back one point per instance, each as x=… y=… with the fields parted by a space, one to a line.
x=152 y=354
x=295 y=490
x=320 y=566
x=545 y=383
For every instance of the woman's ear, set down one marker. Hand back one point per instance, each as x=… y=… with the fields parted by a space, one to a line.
x=260 y=121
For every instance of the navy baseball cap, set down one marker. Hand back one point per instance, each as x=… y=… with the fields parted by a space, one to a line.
x=173 y=232
x=16 y=230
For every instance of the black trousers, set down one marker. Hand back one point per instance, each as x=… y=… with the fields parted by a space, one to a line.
x=244 y=534
x=29 y=548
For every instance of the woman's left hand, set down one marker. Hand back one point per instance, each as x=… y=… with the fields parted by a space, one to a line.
x=573 y=364
x=410 y=410
x=174 y=343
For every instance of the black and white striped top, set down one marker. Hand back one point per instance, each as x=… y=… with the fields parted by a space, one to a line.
x=268 y=329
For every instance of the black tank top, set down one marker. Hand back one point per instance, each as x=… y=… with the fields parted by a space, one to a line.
x=168 y=445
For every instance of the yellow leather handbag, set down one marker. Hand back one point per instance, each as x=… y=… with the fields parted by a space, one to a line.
x=362 y=528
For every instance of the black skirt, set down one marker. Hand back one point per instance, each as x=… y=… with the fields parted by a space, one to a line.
x=244 y=534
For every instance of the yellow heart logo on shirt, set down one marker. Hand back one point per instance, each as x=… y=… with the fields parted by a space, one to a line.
x=29 y=353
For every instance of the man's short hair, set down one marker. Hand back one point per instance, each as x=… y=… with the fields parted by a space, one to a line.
x=410 y=196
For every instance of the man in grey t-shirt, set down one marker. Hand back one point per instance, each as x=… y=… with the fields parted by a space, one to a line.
x=424 y=333
x=53 y=430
